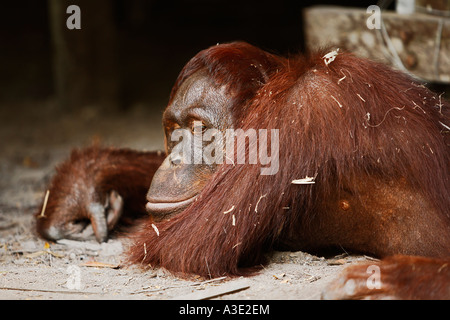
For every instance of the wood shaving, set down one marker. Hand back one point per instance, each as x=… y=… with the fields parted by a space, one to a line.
x=97 y=264
x=306 y=180
x=44 y=206
x=330 y=56
x=156 y=229
x=340 y=105
x=229 y=210
x=256 y=207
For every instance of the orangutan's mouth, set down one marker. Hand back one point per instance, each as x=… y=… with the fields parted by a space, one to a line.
x=162 y=209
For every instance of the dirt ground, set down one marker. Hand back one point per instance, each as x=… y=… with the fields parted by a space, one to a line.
x=33 y=141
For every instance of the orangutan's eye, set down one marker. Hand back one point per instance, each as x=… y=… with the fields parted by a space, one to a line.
x=198 y=126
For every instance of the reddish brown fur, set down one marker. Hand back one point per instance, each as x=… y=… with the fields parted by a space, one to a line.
x=89 y=175
x=371 y=136
x=391 y=167
x=401 y=277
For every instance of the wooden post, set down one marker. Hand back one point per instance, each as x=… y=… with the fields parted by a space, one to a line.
x=84 y=60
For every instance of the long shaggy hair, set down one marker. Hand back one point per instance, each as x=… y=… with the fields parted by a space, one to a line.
x=341 y=119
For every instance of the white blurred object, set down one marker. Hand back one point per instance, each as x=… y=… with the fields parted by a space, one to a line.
x=435 y=7
x=405 y=6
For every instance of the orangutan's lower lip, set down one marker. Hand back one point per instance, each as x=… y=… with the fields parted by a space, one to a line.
x=163 y=208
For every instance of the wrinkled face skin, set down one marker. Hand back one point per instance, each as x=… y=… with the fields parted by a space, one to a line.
x=198 y=105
